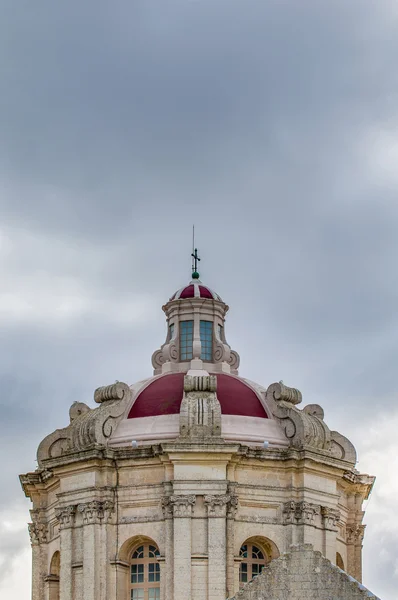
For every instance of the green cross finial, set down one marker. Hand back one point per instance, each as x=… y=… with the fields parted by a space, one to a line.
x=196 y=259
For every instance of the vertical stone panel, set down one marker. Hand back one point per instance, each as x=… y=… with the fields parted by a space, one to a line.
x=217 y=545
x=182 y=511
x=230 y=568
x=166 y=579
x=66 y=518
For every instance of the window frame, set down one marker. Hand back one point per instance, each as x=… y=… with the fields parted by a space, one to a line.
x=142 y=557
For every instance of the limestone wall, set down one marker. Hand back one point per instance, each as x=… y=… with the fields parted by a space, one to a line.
x=303 y=573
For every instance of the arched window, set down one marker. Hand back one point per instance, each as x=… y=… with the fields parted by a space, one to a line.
x=255 y=553
x=339 y=561
x=145 y=573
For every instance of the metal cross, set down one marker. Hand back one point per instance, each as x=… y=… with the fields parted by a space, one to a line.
x=195 y=259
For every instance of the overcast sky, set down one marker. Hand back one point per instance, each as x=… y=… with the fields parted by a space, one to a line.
x=271 y=124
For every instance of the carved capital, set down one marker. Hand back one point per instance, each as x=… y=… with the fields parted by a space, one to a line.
x=331 y=517
x=355 y=533
x=289 y=513
x=182 y=505
x=217 y=505
x=37 y=533
x=167 y=507
x=300 y=513
x=232 y=506
x=66 y=516
x=96 y=511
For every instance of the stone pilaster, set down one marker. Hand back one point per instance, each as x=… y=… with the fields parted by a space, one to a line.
x=182 y=512
x=230 y=575
x=38 y=536
x=304 y=516
x=95 y=516
x=166 y=580
x=66 y=518
x=330 y=518
x=355 y=533
x=217 y=545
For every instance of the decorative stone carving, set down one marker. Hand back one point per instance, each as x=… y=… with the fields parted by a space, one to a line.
x=300 y=513
x=66 y=516
x=217 y=505
x=301 y=427
x=77 y=409
x=96 y=511
x=282 y=393
x=182 y=505
x=200 y=412
x=234 y=362
x=38 y=533
x=88 y=427
x=167 y=507
x=116 y=391
x=355 y=533
x=342 y=448
x=331 y=517
x=232 y=506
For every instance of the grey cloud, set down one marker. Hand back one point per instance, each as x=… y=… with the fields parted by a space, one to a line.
x=121 y=125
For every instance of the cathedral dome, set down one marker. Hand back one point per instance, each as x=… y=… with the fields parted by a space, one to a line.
x=162 y=395
x=195 y=290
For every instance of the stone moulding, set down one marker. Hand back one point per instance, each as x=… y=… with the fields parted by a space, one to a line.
x=88 y=427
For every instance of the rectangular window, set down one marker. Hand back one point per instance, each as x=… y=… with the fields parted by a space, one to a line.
x=221 y=332
x=206 y=337
x=171 y=331
x=153 y=572
x=154 y=594
x=186 y=340
x=137 y=573
x=137 y=594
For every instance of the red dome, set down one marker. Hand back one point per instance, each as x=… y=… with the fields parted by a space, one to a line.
x=195 y=290
x=164 y=394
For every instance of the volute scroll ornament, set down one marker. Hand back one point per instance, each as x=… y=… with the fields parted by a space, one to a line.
x=88 y=427
x=301 y=427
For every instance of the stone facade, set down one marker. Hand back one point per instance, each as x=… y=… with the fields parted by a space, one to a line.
x=302 y=573
x=195 y=487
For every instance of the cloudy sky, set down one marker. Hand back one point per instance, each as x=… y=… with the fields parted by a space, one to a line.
x=271 y=124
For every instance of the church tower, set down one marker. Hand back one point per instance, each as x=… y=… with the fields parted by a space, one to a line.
x=188 y=484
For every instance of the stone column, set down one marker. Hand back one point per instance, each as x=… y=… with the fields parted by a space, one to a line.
x=66 y=518
x=217 y=545
x=231 y=512
x=330 y=518
x=166 y=570
x=182 y=512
